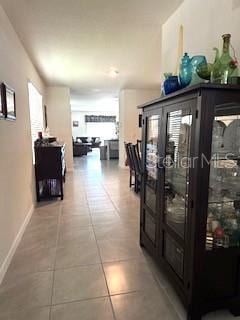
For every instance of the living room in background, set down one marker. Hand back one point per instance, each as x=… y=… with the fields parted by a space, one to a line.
x=36 y=113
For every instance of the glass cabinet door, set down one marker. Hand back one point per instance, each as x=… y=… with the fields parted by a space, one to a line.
x=176 y=185
x=223 y=223
x=151 y=175
x=176 y=163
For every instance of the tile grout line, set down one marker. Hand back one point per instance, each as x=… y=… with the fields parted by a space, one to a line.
x=116 y=208
x=55 y=258
x=105 y=279
x=111 y=200
x=90 y=299
x=154 y=277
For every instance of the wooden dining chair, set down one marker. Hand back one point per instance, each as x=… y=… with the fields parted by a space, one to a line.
x=130 y=164
x=139 y=147
x=137 y=166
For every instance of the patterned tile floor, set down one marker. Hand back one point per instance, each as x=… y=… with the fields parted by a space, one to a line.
x=79 y=258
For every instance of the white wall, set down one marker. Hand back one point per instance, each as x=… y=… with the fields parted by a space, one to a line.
x=128 y=116
x=81 y=130
x=59 y=118
x=17 y=191
x=204 y=22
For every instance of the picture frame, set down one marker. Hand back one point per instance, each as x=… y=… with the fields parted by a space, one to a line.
x=9 y=102
x=2 y=107
x=45 y=116
x=75 y=123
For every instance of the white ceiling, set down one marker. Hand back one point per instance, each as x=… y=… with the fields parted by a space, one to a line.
x=76 y=42
x=95 y=102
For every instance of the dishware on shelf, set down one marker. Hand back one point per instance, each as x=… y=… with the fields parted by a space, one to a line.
x=217 y=136
x=232 y=137
x=215 y=225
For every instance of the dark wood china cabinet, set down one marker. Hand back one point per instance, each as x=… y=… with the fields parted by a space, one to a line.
x=190 y=195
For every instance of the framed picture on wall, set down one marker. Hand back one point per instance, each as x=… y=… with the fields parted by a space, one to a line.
x=45 y=116
x=2 y=107
x=9 y=102
x=75 y=123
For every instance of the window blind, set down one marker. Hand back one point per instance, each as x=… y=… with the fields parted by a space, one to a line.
x=36 y=113
x=174 y=126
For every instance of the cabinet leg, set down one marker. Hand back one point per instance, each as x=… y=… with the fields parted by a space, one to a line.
x=194 y=316
x=235 y=311
x=191 y=317
x=61 y=189
x=141 y=244
x=37 y=191
x=130 y=178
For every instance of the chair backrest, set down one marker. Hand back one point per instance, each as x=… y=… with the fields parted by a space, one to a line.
x=135 y=158
x=139 y=146
x=129 y=155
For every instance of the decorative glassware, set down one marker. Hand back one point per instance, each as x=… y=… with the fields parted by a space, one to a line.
x=171 y=83
x=196 y=61
x=185 y=72
x=204 y=70
x=224 y=66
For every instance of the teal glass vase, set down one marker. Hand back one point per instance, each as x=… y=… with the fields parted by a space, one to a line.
x=185 y=71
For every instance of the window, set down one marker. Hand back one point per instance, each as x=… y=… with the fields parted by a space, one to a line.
x=36 y=113
x=104 y=130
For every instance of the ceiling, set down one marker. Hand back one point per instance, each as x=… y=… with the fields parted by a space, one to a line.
x=95 y=102
x=76 y=42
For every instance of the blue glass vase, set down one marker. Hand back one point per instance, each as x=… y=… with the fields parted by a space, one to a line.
x=185 y=71
x=171 y=84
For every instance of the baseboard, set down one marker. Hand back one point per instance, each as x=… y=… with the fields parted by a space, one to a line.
x=7 y=261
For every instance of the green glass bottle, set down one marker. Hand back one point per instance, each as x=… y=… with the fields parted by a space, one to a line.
x=225 y=65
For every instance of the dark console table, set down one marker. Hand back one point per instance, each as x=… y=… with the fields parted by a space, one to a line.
x=50 y=170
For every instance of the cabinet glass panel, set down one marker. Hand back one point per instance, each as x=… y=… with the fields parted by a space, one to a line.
x=177 y=169
x=151 y=161
x=150 y=227
x=223 y=223
x=150 y=197
x=174 y=255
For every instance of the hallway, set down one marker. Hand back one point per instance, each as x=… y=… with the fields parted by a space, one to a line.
x=79 y=259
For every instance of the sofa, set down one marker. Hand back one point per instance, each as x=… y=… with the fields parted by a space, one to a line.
x=79 y=149
x=94 y=142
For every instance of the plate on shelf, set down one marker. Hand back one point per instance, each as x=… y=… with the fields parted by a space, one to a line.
x=232 y=137
x=218 y=128
x=217 y=136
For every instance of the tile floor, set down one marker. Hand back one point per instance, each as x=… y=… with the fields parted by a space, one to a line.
x=80 y=259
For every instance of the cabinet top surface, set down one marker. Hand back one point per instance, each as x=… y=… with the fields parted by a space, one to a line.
x=188 y=90
x=52 y=145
